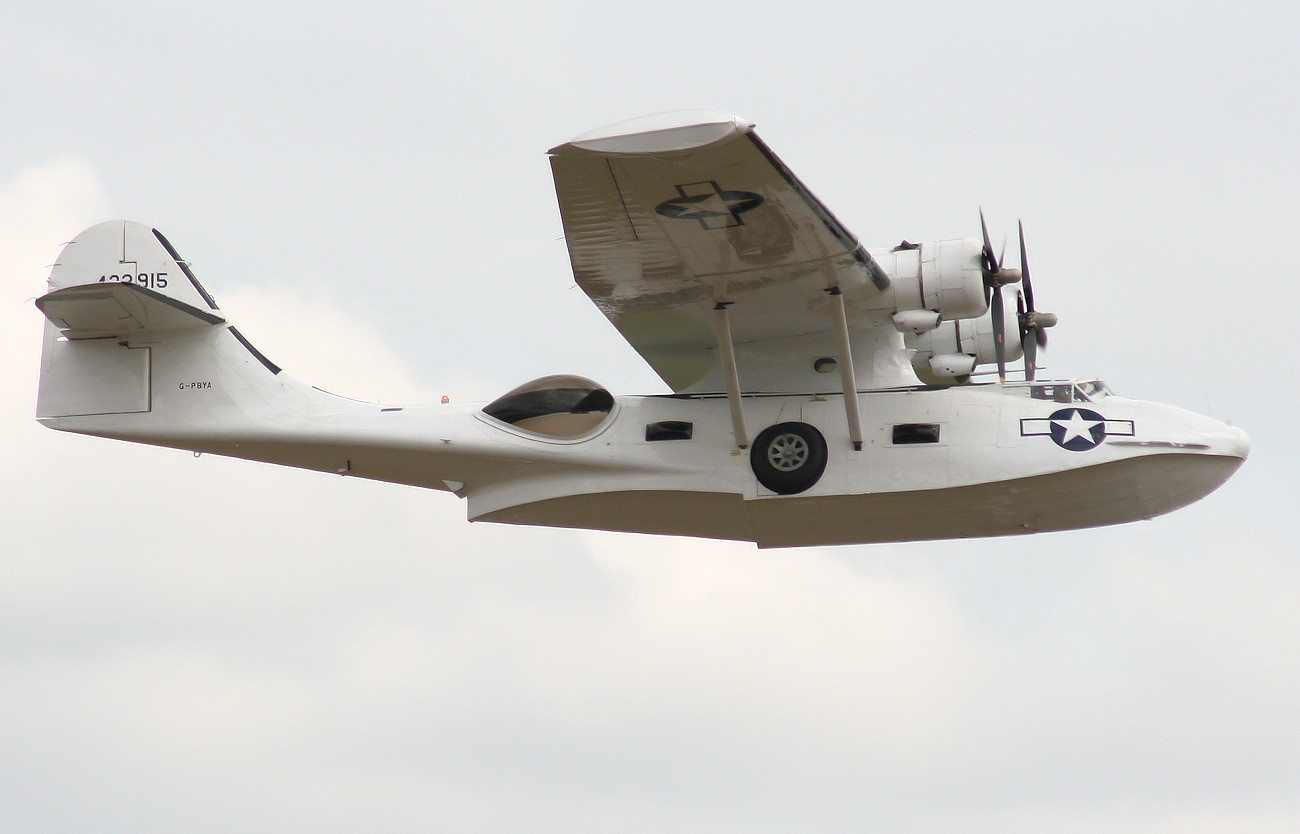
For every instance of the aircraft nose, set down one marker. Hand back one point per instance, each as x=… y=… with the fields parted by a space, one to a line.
x=1238 y=444
x=1227 y=440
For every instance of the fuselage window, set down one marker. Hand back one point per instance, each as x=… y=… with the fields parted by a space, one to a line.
x=669 y=430
x=908 y=433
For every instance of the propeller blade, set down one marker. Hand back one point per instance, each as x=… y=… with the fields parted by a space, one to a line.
x=990 y=262
x=1024 y=271
x=1032 y=324
x=1030 y=346
x=999 y=334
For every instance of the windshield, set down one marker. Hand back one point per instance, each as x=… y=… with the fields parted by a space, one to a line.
x=1061 y=391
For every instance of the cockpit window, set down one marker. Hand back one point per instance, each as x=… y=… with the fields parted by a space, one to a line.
x=1094 y=389
x=554 y=406
x=1061 y=391
x=1069 y=392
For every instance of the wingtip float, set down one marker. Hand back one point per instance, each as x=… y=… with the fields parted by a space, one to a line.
x=822 y=392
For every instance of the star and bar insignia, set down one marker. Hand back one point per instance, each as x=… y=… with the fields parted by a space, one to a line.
x=1075 y=429
x=712 y=207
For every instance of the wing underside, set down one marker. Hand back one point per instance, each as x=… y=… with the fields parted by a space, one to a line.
x=671 y=218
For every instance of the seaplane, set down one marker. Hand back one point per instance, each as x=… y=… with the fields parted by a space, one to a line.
x=819 y=392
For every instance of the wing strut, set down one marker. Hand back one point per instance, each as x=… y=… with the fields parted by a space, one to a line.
x=848 y=379
x=723 y=327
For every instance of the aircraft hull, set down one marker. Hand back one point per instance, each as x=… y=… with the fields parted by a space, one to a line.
x=1092 y=496
x=1000 y=462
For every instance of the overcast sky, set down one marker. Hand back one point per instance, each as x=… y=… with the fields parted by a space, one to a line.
x=211 y=645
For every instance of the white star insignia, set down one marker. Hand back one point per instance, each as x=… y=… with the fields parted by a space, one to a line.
x=1077 y=426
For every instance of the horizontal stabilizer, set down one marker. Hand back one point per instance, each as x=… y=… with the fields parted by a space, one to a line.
x=96 y=311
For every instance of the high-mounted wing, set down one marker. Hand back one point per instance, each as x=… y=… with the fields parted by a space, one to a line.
x=669 y=218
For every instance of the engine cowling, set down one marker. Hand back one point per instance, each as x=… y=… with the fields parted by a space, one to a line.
x=945 y=277
x=948 y=354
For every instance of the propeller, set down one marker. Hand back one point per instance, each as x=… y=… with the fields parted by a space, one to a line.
x=996 y=276
x=1033 y=324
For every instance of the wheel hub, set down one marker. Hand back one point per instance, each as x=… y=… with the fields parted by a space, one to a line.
x=787 y=452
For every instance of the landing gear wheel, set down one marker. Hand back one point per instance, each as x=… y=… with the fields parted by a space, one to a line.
x=788 y=458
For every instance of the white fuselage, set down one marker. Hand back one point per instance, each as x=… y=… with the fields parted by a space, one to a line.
x=995 y=467
x=984 y=460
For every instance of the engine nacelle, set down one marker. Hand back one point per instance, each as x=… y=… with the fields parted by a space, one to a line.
x=954 y=366
x=945 y=276
x=937 y=358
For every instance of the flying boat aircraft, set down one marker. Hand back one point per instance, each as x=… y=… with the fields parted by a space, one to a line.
x=822 y=393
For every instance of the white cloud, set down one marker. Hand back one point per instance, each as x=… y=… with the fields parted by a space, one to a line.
x=213 y=644
x=41 y=207
x=318 y=341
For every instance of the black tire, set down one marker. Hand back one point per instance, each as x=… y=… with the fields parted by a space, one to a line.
x=788 y=458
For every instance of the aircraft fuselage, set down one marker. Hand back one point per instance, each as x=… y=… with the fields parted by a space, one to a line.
x=966 y=461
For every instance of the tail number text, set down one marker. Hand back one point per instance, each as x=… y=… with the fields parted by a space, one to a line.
x=152 y=280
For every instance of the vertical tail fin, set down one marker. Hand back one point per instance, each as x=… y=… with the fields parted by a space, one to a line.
x=112 y=284
x=136 y=348
x=132 y=254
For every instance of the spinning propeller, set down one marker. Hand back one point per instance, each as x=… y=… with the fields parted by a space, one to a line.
x=1032 y=323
